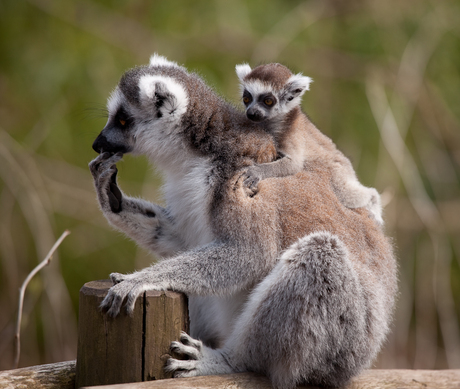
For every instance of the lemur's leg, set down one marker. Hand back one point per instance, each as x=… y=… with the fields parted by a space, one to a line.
x=353 y=194
x=218 y=268
x=305 y=321
x=146 y=223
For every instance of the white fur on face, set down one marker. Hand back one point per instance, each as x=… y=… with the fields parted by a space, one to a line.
x=115 y=100
x=256 y=88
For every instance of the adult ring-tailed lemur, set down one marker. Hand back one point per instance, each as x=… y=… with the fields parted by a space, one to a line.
x=285 y=281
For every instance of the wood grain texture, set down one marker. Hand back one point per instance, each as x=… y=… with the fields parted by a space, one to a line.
x=126 y=348
x=62 y=376
x=370 y=379
x=166 y=315
x=52 y=376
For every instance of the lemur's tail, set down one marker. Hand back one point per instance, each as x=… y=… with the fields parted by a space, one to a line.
x=308 y=317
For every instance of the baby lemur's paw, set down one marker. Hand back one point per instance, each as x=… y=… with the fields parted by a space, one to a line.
x=200 y=360
x=104 y=171
x=251 y=178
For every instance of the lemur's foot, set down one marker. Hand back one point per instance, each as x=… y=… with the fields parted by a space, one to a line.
x=201 y=360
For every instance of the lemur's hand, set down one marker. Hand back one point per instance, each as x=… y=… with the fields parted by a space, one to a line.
x=251 y=178
x=129 y=287
x=104 y=171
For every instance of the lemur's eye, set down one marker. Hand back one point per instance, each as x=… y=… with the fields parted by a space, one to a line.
x=247 y=98
x=122 y=122
x=268 y=101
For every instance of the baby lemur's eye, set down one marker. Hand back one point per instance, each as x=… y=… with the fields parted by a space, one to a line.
x=247 y=98
x=268 y=101
x=122 y=122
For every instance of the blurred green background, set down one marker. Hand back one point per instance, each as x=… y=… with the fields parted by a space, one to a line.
x=386 y=90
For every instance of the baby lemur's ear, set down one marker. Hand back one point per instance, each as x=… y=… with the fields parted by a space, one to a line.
x=296 y=87
x=242 y=71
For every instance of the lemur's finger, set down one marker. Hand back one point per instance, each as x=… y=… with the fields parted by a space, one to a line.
x=110 y=161
x=106 y=303
x=116 y=278
x=132 y=297
x=182 y=349
x=189 y=341
x=179 y=366
x=103 y=162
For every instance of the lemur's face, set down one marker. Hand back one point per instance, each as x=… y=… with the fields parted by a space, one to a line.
x=260 y=107
x=144 y=109
x=270 y=91
x=118 y=133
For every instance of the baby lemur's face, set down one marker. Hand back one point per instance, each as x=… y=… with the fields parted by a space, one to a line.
x=270 y=91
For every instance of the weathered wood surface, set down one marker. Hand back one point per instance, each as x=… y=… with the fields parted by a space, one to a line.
x=52 y=376
x=127 y=348
x=370 y=379
x=62 y=376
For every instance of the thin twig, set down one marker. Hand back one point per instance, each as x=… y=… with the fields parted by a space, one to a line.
x=22 y=290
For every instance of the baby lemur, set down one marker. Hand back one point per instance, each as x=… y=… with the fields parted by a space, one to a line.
x=287 y=282
x=272 y=96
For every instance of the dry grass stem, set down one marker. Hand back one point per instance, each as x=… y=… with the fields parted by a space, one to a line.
x=41 y=265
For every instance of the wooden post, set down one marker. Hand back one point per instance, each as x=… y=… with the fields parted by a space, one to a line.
x=126 y=348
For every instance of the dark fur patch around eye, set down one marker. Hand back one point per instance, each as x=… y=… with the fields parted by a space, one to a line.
x=247 y=97
x=123 y=119
x=268 y=96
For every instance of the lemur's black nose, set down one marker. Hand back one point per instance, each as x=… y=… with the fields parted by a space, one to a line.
x=101 y=144
x=255 y=116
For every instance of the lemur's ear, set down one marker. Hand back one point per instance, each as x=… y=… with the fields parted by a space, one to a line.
x=296 y=86
x=148 y=86
x=163 y=94
x=159 y=60
x=242 y=71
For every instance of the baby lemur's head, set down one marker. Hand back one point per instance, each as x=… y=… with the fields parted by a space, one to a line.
x=270 y=91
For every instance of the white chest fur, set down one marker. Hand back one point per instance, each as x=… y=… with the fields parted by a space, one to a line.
x=188 y=197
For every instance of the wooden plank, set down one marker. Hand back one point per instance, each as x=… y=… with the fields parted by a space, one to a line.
x=370 y=379
x=51 y=376
x=62 y=376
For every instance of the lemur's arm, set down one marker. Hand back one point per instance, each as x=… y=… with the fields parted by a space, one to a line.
x=147 y=224
x=282 y=167
x=219 y=268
